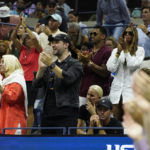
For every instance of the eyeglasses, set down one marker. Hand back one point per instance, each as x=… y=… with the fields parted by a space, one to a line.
x=129 y=32
x=93 y=33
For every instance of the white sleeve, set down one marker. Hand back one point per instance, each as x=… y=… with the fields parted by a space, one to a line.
x=134 y=62
x=113 y=62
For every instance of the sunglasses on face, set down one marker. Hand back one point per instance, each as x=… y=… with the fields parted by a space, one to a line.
x=128 y=32
x=93 y=33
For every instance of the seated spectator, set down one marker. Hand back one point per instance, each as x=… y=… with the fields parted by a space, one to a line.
x=13 y=110
x=77 y=38
x=5 y=17
x=104 y=119
x=94 y=94
x=74 y=17
x=111 y=42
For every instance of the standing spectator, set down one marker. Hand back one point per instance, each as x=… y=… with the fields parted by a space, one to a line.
x=39 y=11
x=52 y=9
x=54 y=22
x=94 y=65
x=124 y=60
x=5 y=17
x=62 y=80
x=27 y=7
x=13 y=110
x=111 y=42
x=94 y=94
x=4 y=48
x=115 y=12
x=104 y=119
x=74 y=17
x=29 y=54
x=144 y=31
x=66 y=8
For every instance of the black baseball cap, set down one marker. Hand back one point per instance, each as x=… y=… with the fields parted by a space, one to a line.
x=61 y=37
x=104 y=102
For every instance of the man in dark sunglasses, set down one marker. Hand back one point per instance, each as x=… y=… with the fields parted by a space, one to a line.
x=95 y=71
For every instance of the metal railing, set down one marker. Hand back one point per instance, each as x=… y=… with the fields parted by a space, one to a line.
x=65 y=131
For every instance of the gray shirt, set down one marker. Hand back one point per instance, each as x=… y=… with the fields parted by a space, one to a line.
x=114 y=11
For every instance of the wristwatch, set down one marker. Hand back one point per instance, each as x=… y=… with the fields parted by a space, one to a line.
x=52 y=66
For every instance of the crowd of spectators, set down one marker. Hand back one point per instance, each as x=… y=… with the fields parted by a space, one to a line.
x=74 y=76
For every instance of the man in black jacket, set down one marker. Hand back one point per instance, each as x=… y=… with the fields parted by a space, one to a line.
x=62 y=80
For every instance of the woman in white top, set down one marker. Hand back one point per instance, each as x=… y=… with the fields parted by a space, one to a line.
x=124 y=60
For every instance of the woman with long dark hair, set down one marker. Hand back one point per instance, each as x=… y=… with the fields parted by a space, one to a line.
x=124 y=60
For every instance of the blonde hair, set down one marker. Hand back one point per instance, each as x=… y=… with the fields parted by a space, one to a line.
x=98 y=90
x=11 y=63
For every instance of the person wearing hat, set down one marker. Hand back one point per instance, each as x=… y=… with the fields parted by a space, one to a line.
x=54 y=22
x=52 y=9
x=62 y=80
x=104 y=118
x=5 y=20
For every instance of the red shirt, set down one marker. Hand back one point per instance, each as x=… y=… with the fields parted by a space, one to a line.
x=29 y=62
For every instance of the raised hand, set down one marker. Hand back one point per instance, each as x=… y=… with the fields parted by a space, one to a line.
x=91 y=108
x=134 y=130
x=141 y=85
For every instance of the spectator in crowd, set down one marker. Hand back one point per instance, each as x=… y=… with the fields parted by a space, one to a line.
x=28 y=7
x=94 y=64
x=77 y=38
x=111 y=42
x=144 y=31
x=39 y=11
x=104 y=119
x=116 y=14
x=5 y=17
x=94 y=94
x=74 y=17
x=62 y=80
x=4 y=48
x=13 y=110
x=29 y=54
x=124 y=60
x=52 y=29
x=52 y=9
x=66 y=8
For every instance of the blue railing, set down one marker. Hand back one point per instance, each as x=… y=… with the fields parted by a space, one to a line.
x=38 y=128
x=65 y=131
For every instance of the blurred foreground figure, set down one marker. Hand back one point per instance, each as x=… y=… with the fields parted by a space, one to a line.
x=136 y=119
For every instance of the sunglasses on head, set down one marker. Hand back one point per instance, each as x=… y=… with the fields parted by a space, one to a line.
x=129 y=32
x=93 y=33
